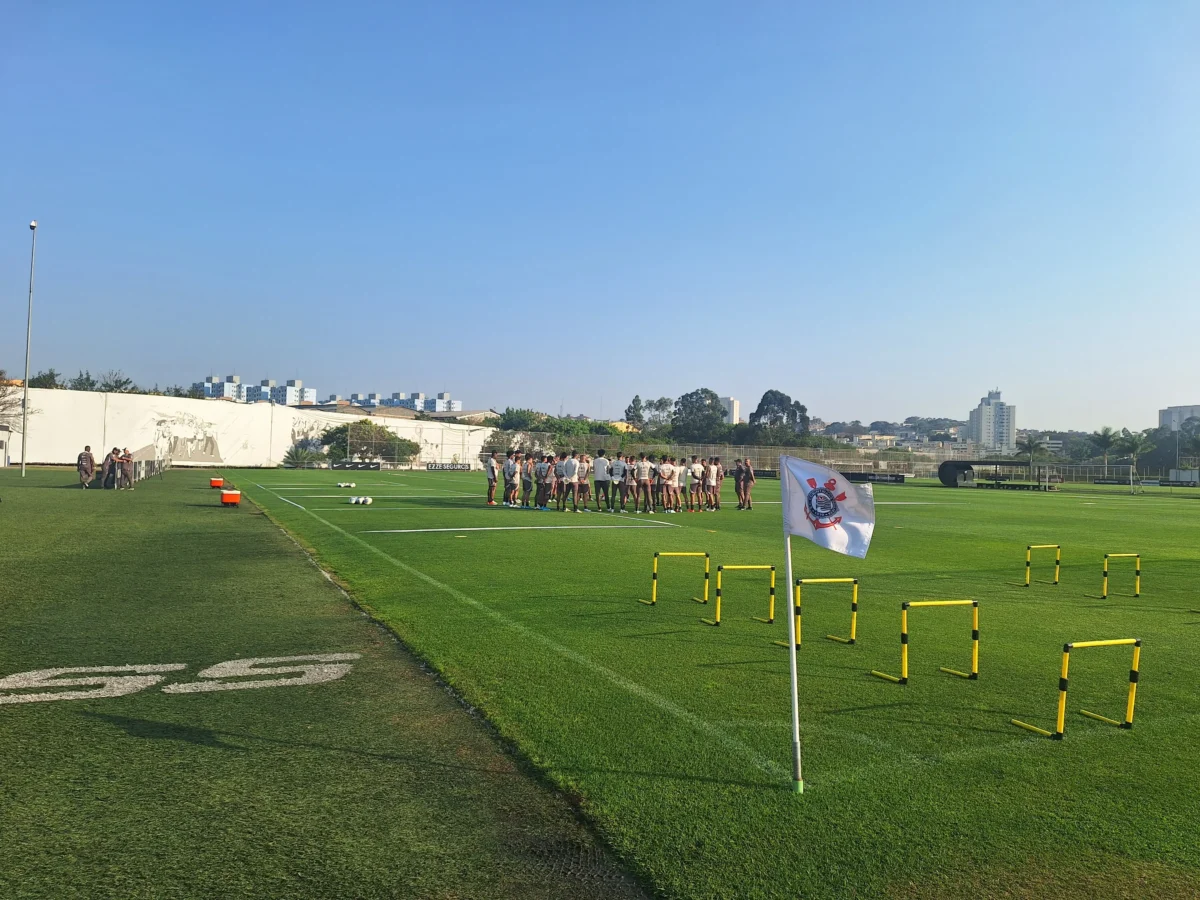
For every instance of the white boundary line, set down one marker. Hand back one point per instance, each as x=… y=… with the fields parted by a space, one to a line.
x=514 y=528
x=763 y=763
x=284 y=499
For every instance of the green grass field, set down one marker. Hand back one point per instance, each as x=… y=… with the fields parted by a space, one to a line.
x=377 y=784
x=674 y=737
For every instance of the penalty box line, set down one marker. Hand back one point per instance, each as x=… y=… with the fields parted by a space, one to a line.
x=766 y=765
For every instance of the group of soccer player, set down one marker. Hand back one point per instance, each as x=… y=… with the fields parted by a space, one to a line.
x=536 y=480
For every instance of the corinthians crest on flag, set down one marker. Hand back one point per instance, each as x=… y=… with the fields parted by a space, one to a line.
x=822 y=506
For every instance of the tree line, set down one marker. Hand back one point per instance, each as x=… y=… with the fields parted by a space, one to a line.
x=114 y=381
x=696 y=417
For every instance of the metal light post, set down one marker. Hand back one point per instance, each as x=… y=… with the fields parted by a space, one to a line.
x=28 y=335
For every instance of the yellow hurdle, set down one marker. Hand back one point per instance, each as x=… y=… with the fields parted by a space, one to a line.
x=716 y=619
x=1137 y=572
x=904 y=608
x=853 y=609
x=654 y=578
x=1057 y=548
x=1061 y=718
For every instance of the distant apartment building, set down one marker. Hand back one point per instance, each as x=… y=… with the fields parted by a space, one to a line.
x=1174 y=416
x=231 y=388
x=733 y=410
x=441 y=403
x=993 y=424
x=368 y=400
x=228 y=388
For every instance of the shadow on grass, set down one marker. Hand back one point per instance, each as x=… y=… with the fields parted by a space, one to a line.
x=148 y=729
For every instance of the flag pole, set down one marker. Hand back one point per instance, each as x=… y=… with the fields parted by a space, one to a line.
x=797 y=777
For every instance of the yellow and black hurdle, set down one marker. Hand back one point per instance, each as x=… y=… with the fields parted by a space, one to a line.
x=904 y=608
x=654 y=577
x=1137 y=572
x=1057 y=548
x=770 y=619
x=853 y=608
x=1061 y=721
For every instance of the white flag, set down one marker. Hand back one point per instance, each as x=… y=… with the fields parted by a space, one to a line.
x=821 y=505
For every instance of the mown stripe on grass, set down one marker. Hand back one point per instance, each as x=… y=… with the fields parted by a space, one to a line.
x=766 y=765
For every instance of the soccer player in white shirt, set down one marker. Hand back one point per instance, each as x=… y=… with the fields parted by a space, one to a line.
x=666 y=474
x=680 y=482
x=602 y=470
x=543 y=471
x=492 y=467
x=645 y=475
x=512 y=472
x=585 y=485
x=696 y=470
x=560 y=481
x=617 y=471
x=570 y=484
x=710 y=484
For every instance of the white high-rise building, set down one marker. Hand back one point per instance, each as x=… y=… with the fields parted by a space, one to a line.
x=1174 y=416
x=228 y=388
x=294 y=393
x=993 y=424
x=421 y=403
x=733 y=410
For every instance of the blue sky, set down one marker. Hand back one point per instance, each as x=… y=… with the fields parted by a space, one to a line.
x=880 y=209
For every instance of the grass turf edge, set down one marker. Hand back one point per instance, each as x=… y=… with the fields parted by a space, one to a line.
x=511 y=748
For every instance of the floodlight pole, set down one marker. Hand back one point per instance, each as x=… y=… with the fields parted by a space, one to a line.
x=28 y=335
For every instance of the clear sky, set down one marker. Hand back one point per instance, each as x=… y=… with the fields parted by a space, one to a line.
x=881 y=209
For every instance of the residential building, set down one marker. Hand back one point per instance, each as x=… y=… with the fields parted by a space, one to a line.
x=293 y=393
x=418 y=401
x=993 y=424
x=1174 y=416
x=228 y=388
x=733 y=410
x=259 y=393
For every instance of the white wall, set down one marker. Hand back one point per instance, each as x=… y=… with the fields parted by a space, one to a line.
x=206 y=432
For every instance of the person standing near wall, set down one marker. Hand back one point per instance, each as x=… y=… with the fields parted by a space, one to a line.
x=86 y=466
x=108 y=474
x=126 y=475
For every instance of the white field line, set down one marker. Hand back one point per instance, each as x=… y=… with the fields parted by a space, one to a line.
x=765 y=764
x=518 y=528
x=284 y=499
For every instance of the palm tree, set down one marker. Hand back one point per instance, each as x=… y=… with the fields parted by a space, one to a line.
x=1104 y=440
x=299 y=457
x=1135 y=443
x=1033 y=445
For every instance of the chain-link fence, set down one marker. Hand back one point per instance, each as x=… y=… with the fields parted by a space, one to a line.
x=367 y=442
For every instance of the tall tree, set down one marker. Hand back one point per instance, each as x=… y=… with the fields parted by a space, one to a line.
x=1104 y=440
x=777 y=408
x=1135 y=443
x=698 y=417
x=635 y=415
x=518 y=419
x=48 y=379
x=83 y=382
x=114 y=382
x=1031 y=445
x=365 y=440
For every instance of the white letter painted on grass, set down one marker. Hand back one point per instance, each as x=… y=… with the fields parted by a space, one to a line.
x=312 y=669
x=104 y=683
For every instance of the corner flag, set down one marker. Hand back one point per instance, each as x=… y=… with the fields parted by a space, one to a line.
x=823 y=507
